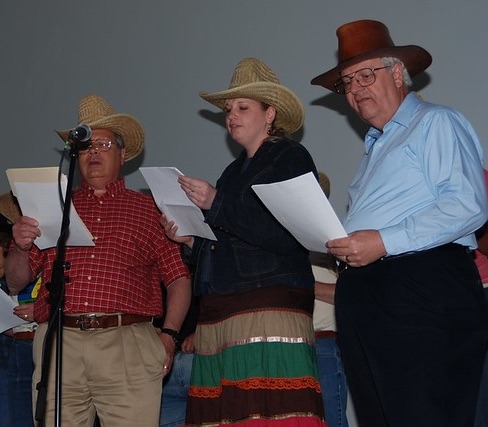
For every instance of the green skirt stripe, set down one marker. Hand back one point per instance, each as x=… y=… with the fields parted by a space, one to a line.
x=257 y=360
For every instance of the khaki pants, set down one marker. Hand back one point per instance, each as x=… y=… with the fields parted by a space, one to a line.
x=114 y=372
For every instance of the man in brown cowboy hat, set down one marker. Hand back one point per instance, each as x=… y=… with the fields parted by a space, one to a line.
x=410 y=309
x=113 y=360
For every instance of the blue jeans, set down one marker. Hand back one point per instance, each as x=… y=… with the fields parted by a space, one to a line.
x=175 y=392
x=16 y=369
x=332 y=380
x=482 y=409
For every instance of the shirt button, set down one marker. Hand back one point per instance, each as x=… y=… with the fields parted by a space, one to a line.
x=89 y=277
x=92 y=256
x=85 y=304
x=98 y=219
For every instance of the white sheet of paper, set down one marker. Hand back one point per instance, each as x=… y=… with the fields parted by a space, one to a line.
x=36 y=190
x=173 y=202
x=7 y=318
x=300 y=205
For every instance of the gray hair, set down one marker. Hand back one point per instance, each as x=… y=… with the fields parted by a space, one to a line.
x=389 y=61
x=119 y=141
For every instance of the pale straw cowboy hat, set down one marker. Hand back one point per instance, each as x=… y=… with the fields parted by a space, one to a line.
x=367 y=39
x=253 y=79
x=97 y=113
x=324 y=183
x=9 y=207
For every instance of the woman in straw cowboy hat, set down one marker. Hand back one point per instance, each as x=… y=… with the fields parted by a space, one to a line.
x=254 y=357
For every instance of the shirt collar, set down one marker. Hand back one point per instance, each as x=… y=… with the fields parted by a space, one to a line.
x=113 y=189
x=403 y=117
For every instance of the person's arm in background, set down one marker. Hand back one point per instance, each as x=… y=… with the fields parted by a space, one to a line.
x=17 y=268
x=482 y=239
x=325 y=292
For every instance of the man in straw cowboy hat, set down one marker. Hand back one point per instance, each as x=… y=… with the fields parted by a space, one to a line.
x=254 y=360
x=113 y=360
x=410 y=309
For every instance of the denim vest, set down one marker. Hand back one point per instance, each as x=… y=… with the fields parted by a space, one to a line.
x=252 y=249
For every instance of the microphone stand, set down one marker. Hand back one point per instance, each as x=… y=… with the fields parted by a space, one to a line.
x=56 y=288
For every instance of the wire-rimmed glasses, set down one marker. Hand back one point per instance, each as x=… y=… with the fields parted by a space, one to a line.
x=365 y=77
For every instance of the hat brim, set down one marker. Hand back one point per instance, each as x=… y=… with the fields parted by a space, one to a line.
x=9 y=207
x=290 y=112
x=124 y=125
x=415 y=58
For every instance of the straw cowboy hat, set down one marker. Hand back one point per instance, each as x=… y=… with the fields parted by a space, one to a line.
x=9 y=207
x=255 y=80
x=97 y=113
x=366 y=39
x=324 y=183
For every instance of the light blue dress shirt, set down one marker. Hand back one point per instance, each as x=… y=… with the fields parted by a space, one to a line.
x=420 y=181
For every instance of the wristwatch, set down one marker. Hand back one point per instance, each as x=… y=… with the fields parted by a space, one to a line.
x=172 y=333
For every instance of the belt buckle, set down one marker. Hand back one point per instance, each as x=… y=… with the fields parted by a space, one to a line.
x=87 y=322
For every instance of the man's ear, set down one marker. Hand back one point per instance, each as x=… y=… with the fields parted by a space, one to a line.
x=398 y=74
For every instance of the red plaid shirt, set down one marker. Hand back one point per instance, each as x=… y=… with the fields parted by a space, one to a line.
x=122 y=272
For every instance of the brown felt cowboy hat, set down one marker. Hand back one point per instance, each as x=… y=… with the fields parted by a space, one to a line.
x=366 y=39
x=253 y=79
x=97 y=113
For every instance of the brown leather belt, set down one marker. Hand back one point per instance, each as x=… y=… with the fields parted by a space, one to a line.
x=92 y=321
x=24 y=336
x=325 y=334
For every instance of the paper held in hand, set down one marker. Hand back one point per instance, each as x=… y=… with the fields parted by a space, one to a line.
x=7 y=318
x=300 y=205
x=173 y=202
x=37 y=192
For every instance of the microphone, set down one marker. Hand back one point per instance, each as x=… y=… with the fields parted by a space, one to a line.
x=81 y=133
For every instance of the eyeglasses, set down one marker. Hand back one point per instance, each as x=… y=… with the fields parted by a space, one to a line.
x=364 y=76
x=97 y=145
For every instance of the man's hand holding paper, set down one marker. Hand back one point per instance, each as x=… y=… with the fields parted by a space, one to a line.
x=37 y=190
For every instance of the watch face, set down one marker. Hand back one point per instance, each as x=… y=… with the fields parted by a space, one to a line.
x=172 y=333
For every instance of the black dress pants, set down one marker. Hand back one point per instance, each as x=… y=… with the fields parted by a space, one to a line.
x=413 y=331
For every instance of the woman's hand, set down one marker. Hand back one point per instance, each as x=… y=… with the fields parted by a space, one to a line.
x=201 y=193
x=188 y=344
